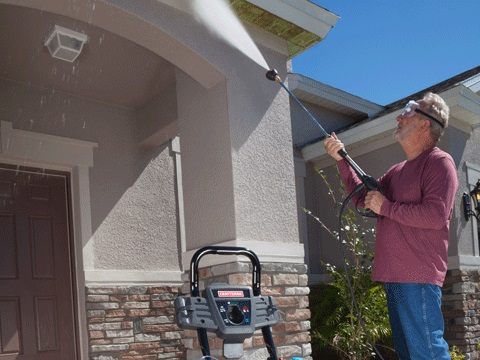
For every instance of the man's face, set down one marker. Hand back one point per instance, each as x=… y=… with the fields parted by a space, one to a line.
x=407 y=121
x=405 y=128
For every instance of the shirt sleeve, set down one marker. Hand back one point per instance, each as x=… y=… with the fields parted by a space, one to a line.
x=439 y=185
x=350 y=180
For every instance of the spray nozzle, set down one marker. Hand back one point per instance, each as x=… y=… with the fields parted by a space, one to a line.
x=273 y=75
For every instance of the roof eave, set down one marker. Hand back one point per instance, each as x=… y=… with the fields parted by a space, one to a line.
x=305 y=14
x=330 y=97
x=377 y=133
x=300 y=23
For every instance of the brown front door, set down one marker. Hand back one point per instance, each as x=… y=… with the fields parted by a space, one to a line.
x=36 y=292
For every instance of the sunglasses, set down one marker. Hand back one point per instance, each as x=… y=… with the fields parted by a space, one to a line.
x=413 y=107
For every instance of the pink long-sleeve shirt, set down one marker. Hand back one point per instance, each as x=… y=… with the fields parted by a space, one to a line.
x=411 y=243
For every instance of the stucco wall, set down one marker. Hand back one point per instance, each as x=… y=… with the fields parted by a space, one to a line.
x=140 y=230
x=206 y=163
x=466 y=149
x=253 y=166
x=133 y=204
x=262 y=156
x=304 y=129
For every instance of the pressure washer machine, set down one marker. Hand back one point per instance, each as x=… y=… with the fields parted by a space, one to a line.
x=233 y=312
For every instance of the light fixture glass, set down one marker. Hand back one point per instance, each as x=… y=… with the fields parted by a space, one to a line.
x=467 y=205
x=65 y=44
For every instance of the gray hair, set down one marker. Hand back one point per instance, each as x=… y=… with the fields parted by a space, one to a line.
x=434 y=105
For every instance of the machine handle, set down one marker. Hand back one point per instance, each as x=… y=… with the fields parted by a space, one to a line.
x=224 y=250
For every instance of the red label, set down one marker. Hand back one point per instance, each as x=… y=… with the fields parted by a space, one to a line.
x=230 y=293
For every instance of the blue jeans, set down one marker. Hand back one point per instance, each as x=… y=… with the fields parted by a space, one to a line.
x=417 y=321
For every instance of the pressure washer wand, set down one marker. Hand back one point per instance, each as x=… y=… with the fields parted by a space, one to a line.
x=369 y=182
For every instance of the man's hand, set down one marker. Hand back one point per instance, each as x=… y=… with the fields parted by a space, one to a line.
x=374 y=200
x=333 y=146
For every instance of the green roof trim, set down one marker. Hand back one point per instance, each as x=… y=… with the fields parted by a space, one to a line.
x=298 y=39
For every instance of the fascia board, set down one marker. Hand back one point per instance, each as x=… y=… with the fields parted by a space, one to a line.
x=464 y=105
x=323 y=91
x=472 y=83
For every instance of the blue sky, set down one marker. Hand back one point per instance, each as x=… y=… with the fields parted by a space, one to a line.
x=385 y=50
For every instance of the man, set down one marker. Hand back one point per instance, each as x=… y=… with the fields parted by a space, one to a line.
x=414 y=212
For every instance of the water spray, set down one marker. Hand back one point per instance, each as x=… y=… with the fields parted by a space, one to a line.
x=369 y=182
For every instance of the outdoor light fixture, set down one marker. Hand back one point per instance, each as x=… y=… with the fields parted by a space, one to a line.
x=467 y=205
x=65 y=44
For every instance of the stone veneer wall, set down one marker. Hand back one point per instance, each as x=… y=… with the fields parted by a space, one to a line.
x=133 y=323
x=461 y=310
x=288 y=284
x=138 y=322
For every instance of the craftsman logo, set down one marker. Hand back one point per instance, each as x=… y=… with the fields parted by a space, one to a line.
x=230 y=293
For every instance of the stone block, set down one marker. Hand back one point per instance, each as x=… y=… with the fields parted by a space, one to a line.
x=109 y=348
x=106 y=326
x=307 y=349
x=157 y=320
x=107 y=357
x=297 y=290
x=147 y=337
x=118 y=333
x=463 y=288
x=102 y=306
x=285 y=279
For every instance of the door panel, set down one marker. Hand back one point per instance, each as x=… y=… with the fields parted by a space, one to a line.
x=9 y=263
x=10 y=325
x=36 y=289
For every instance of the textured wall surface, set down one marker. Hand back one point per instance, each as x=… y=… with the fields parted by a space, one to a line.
x=133 y=323
x=140 y=231
x=461 y=309
x=133 y=199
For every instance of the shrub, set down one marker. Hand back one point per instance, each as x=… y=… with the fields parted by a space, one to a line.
x=456 y=354
x=335 y=322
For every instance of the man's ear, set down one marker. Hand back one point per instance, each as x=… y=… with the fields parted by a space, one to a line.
x=425 y=125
